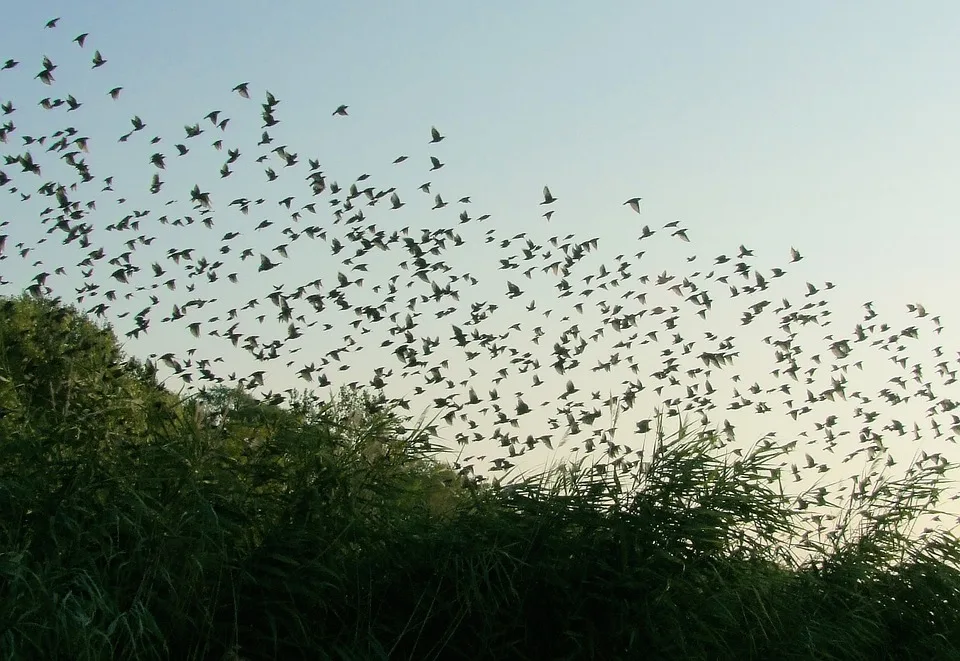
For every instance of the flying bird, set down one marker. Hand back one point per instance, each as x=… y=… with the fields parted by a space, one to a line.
x=341 y=110
x=351 y=243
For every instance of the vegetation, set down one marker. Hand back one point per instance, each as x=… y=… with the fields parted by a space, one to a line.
x=140 y=525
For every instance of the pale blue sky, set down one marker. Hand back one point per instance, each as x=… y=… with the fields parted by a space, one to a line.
x=829 y=127
x=825 y=125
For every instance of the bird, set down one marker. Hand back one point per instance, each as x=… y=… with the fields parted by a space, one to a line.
x=81 y=38
x=242 y=90
x=341 y=110
x=597 y=321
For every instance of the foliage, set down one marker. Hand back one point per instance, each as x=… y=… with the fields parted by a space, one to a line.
x=137 y=525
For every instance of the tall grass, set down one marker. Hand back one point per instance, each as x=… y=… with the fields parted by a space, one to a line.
x=182 y=530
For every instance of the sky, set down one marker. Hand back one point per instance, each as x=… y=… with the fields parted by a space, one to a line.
x=828 y=128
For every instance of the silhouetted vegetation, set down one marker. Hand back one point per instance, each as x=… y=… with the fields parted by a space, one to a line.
x=140 y=525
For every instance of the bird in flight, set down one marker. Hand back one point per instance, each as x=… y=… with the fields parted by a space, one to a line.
x=352 y=233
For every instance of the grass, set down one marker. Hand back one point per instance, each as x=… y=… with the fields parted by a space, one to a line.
x=139 y=526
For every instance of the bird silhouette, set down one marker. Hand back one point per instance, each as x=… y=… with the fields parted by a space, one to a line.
x=534 y=314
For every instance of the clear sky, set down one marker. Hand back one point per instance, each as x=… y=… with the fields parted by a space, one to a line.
x=821 y=126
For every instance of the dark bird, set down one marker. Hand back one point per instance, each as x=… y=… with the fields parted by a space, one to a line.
x=424 y=356
x=436 y=163
x=81 y=38
x=98 y=60
x=52 y=23
x=45 y=76
x=341 y=110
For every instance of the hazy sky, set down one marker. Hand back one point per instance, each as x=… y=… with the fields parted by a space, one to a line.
x=828 y=127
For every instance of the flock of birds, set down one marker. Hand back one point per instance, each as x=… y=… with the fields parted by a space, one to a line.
x=408 y=328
